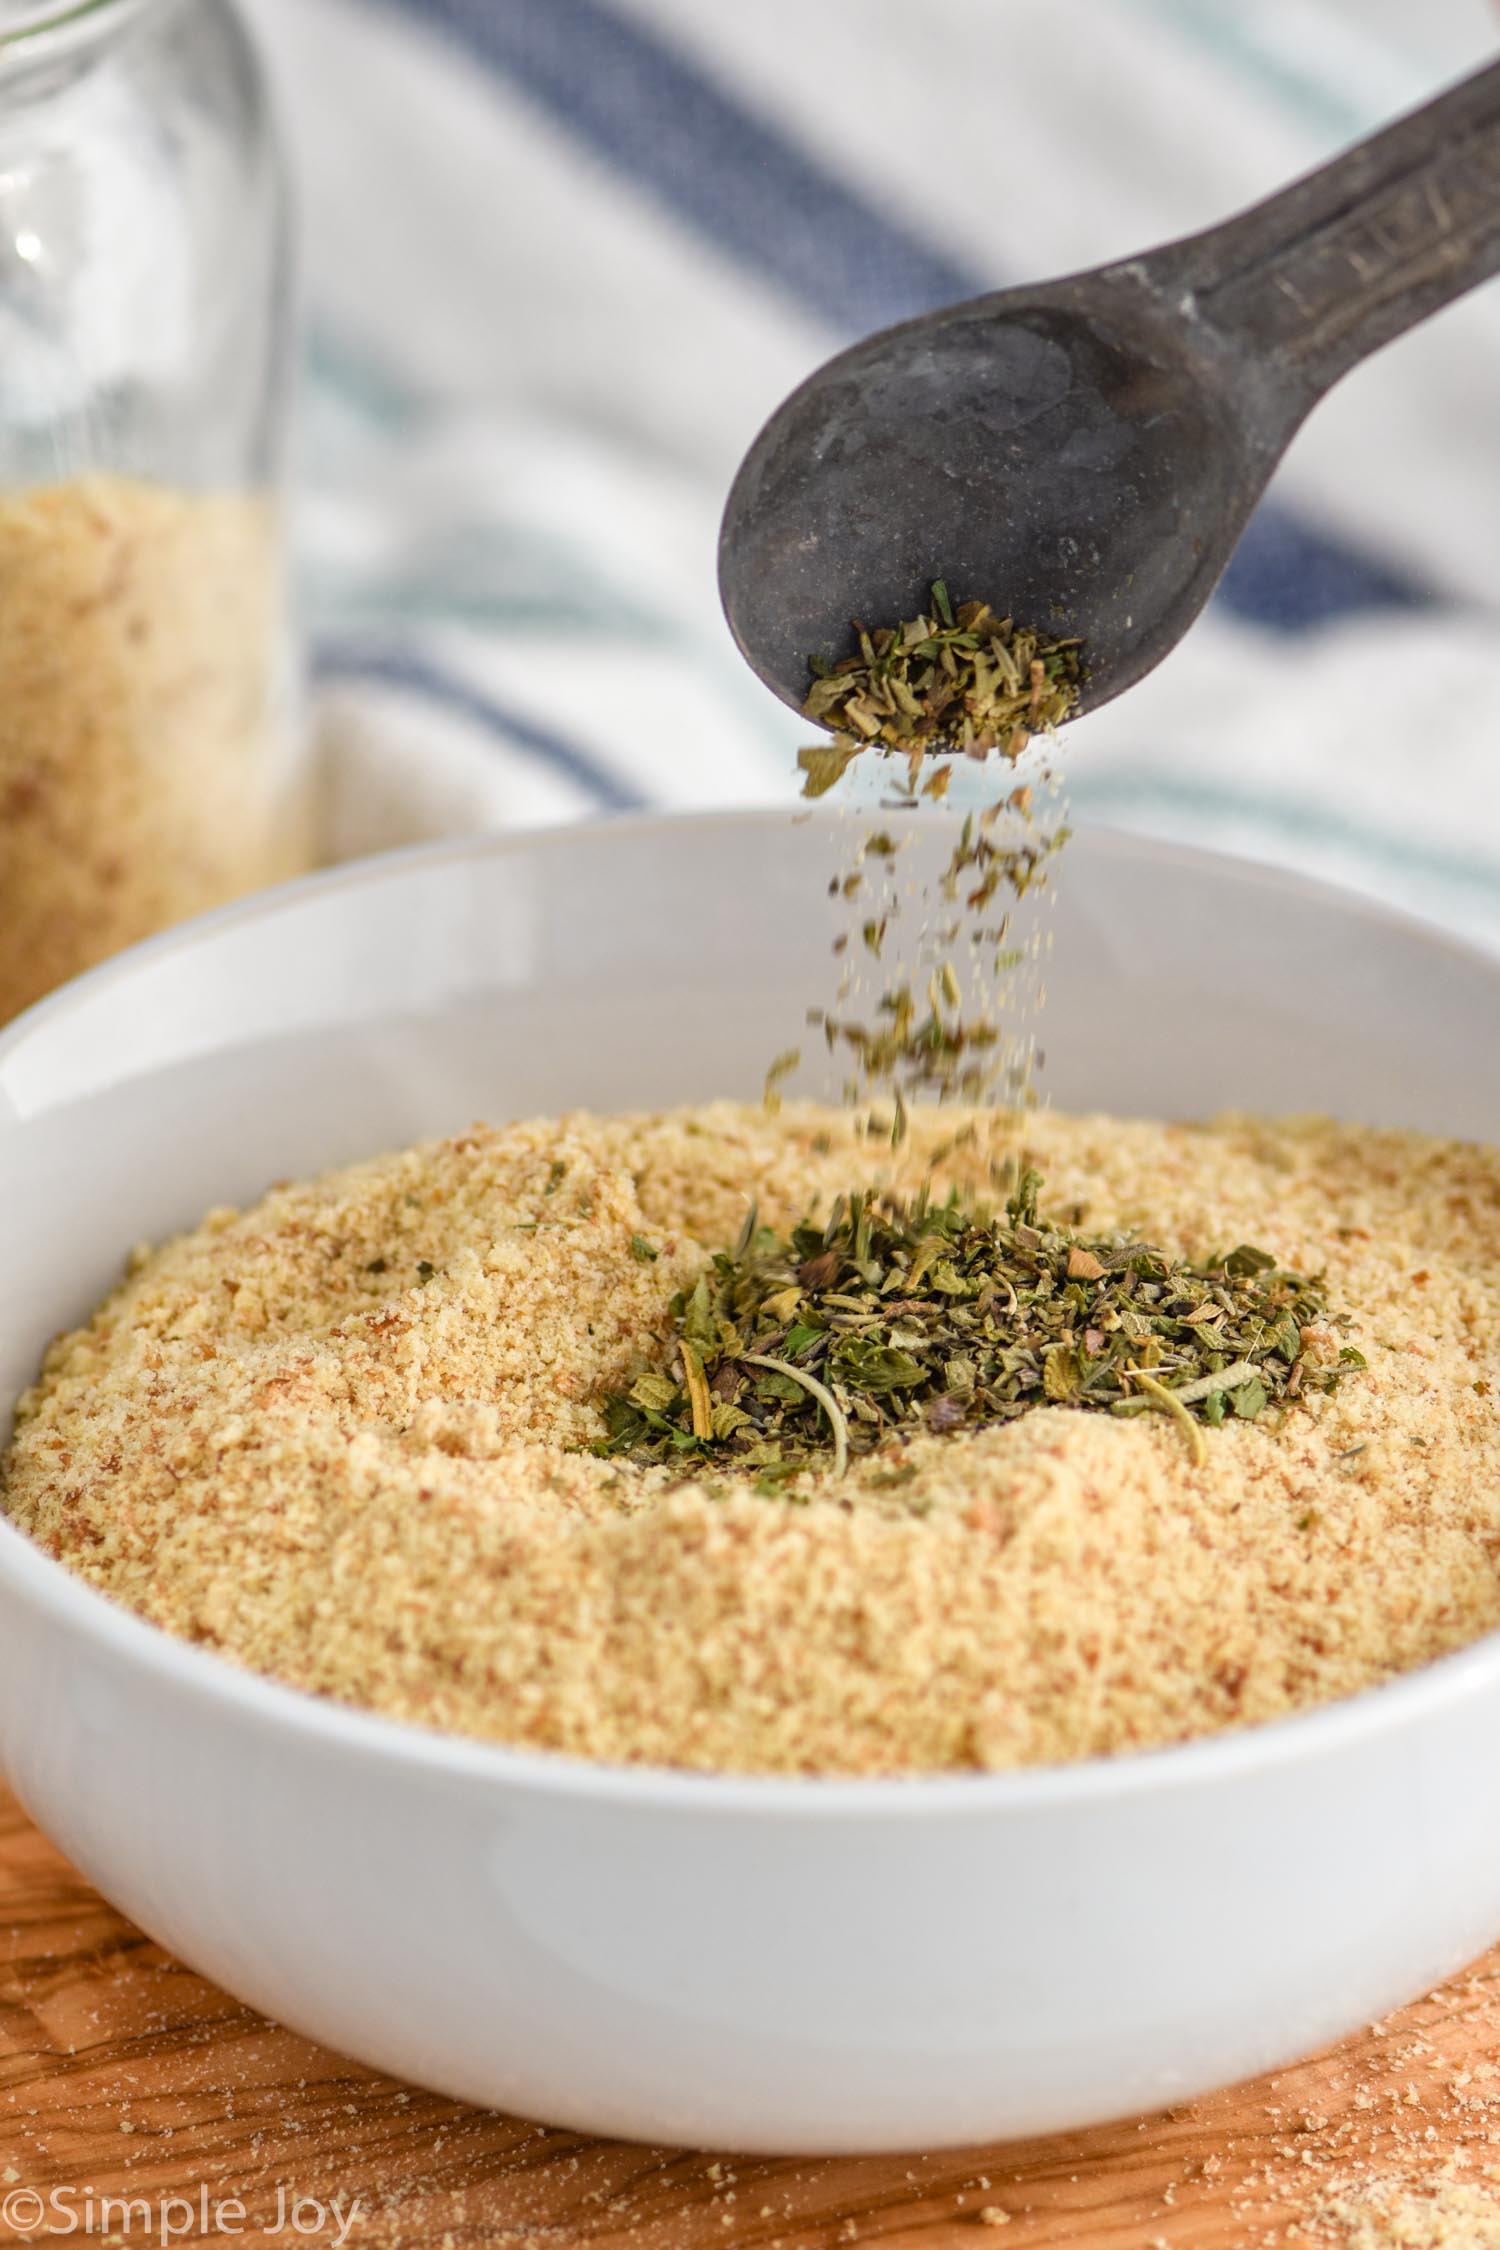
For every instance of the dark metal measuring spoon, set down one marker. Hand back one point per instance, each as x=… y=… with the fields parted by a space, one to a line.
x=1084 y=454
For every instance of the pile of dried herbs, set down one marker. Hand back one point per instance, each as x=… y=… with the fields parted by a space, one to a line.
x=956 y=680
x=893 y=1319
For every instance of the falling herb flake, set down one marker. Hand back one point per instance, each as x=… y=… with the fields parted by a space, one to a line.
x=823 y=764
x=780 y=1069
x=893 y=1319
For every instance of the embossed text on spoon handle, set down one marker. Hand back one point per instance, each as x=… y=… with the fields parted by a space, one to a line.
x=1341 y=262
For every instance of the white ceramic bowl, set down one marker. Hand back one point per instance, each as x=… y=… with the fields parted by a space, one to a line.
x=772 y=1964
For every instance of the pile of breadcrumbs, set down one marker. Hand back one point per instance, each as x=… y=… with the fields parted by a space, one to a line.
x=338 y=1438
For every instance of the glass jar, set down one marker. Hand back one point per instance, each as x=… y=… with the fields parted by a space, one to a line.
x=149 y=761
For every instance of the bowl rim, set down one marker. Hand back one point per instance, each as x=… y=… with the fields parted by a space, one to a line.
x=220 y=1681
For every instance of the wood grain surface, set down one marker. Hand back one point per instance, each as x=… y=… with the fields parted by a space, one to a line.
x=124 y=2076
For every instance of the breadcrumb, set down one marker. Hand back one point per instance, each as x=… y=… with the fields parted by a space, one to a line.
x=341 y=1438
x=146 y=767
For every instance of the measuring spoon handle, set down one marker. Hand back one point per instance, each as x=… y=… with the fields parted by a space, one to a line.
x=1316 y=278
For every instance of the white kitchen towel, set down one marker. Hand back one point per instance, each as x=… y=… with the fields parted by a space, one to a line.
x=565 y=255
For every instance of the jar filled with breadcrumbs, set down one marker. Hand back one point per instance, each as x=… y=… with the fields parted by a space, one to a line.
x=150 y=763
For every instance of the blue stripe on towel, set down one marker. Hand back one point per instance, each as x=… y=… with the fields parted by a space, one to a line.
x=718 y=167
x=674 y=131
x=414 y=675
x=1285 y=575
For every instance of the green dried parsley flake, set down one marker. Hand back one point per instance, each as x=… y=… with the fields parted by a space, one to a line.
x=780 y=1069
x=959 y=681
x=891 y=1320
x=823 y=764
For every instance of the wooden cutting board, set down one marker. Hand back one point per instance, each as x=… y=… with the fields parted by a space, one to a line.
x=124 y=2075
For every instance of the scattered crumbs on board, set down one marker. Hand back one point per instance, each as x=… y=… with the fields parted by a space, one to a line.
x=1389 y=2142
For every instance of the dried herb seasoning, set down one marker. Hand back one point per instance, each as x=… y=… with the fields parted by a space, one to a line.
x=957 y=680
x=942 y=1038
x=891 y=1319
x=917 y=1044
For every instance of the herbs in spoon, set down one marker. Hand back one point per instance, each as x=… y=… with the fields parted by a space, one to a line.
x=892 y=1319
x=958 y=680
